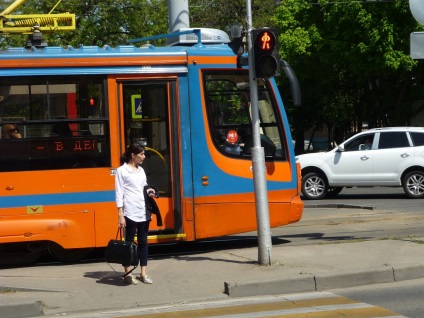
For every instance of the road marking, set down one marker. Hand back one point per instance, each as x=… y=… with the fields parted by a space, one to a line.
x=311 y=305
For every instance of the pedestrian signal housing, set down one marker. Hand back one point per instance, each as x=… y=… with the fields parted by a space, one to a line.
x=265 y=52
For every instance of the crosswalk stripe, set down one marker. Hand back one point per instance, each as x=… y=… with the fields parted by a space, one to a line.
x=301 y=310
x=287 y=306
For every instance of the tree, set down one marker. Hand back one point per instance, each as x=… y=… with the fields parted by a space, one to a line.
x=352 y=60
x=220 y=14
x=111 y=22
x=100 y=23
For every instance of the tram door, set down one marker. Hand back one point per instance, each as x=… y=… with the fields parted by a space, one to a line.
x=147 y=107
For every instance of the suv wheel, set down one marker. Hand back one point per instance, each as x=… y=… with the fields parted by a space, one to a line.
x=314 y=186
x=413 y=184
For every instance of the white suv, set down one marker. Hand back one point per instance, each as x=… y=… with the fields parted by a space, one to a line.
x=392 y=156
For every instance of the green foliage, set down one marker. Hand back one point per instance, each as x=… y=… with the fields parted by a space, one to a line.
x=220 y=14
x=106 y=22
x=352 y=60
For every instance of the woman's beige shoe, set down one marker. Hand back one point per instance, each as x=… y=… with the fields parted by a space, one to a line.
x=130 y=279
x=146 y=279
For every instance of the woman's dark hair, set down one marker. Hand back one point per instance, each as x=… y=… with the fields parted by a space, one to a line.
x=133 y=148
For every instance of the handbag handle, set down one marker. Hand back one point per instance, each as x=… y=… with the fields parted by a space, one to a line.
x=121 y=233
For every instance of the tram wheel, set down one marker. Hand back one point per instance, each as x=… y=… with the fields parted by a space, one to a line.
x=67 y=255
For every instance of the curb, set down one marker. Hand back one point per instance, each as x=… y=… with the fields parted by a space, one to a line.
x=312 y=283
x=338 y=206
x=408 y=272
x=22 y=310
x=28 y=289
x=261 y=288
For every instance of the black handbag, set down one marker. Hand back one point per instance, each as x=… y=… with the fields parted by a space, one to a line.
x=120 y=252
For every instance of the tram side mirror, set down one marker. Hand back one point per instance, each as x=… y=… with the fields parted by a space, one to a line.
x=293 y=81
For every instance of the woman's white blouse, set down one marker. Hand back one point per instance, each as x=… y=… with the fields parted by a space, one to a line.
x=129 y=192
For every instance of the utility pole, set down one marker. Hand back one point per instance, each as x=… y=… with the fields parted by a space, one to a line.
x=258 y=159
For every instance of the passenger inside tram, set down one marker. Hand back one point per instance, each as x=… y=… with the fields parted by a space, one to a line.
x=10 y=131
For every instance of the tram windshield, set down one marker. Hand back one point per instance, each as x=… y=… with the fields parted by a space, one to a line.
x=230 y=112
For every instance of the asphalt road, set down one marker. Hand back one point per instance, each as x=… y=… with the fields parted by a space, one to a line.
x=384 y=198
x=402 y=297
x=355 y=214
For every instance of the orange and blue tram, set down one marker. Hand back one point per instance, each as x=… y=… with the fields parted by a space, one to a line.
x=77 y=109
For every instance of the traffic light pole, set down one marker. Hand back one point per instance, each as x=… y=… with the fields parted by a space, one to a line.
x=258 y=159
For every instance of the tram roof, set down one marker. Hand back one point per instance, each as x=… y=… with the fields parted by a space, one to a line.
x=203 y=41
x=128 y=59
x=130 y=50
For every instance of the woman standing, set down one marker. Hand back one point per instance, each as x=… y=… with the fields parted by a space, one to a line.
x=130 y=182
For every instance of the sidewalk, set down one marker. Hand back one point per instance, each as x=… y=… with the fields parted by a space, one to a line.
x=93 y=290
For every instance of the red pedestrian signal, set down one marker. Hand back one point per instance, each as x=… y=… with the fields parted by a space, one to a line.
x=265 y=51
x=266 y=41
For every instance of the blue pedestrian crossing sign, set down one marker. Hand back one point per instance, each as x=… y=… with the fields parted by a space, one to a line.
x=136 y=106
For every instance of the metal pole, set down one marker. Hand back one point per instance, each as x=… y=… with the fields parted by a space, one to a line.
x=258 y=160
x=178 y=15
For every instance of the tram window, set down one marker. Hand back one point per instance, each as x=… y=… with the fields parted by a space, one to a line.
x=146 y=121
x=62 y=120
x=229 y=112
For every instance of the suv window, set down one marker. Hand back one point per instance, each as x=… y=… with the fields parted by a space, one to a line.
x=363 y=142
x=396 y=139
x=417 y=138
